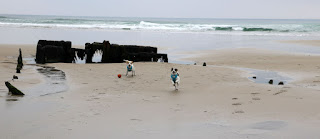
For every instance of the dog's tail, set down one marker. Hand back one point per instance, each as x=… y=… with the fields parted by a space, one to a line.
x=127 y=61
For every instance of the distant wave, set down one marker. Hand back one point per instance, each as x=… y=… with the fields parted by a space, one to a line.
x=143 y=25
x=257 y=29
x=147 y=23
x=246 y=29
x=166 y=25
x=70 y=19
x=224 y=28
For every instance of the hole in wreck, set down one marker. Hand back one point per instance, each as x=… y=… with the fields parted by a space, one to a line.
x=97 y=56
x=79 y=60
x=160 y=59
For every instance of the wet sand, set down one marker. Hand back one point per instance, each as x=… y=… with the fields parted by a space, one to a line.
x=219 y=101
x=304 y=42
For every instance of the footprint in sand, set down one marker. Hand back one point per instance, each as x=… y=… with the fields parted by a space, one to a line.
x=281 y=91
x=234 y=98
x=146 y=100
x=269 y=125
x=237 y=104
x=11 y=99
x=238 y=111
x=136 y=120
x=255 y=93
x=255 y=98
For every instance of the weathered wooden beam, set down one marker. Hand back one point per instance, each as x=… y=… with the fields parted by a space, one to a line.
x=13 y=89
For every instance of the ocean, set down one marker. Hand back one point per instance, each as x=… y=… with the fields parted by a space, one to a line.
x=223 y=26
x=176 y=35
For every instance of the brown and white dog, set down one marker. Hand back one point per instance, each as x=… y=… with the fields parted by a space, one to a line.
x=130 y=67
x=175 y=79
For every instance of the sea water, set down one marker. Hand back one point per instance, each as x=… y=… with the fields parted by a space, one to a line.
x=172 y=35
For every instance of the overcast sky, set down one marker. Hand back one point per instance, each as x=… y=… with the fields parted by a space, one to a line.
x=274 y=9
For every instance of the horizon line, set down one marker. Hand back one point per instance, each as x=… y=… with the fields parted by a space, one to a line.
x=166 y=17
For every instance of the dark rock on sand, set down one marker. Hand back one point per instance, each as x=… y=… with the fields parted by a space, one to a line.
x=204 y=64
x=15 y=77
x=254 y=77
x=13 y=89
x=271 y=82
x=280 y=83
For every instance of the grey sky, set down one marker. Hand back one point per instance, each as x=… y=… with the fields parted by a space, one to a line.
x=283 y=9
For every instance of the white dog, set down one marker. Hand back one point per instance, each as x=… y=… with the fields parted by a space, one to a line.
x=130 y=67
x=175 y=79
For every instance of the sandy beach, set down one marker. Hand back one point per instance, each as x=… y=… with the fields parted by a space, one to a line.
x=305 y=42
x=217 y=101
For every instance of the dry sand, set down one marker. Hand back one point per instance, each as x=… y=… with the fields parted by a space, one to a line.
x=213 y=102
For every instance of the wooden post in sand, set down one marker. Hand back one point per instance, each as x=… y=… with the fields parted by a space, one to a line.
x=20 y=62
x=13 y=89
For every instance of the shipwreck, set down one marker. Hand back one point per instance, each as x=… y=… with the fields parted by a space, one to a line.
x=62 y=52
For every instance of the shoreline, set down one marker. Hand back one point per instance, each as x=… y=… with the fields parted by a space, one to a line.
x=303 y=42
x=212 y=101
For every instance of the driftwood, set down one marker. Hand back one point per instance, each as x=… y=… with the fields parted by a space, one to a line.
x=13 y=89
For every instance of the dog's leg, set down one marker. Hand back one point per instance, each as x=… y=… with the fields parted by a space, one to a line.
x=127 y=73
x=132 y=73
x=177 y=86
x=172 y=83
